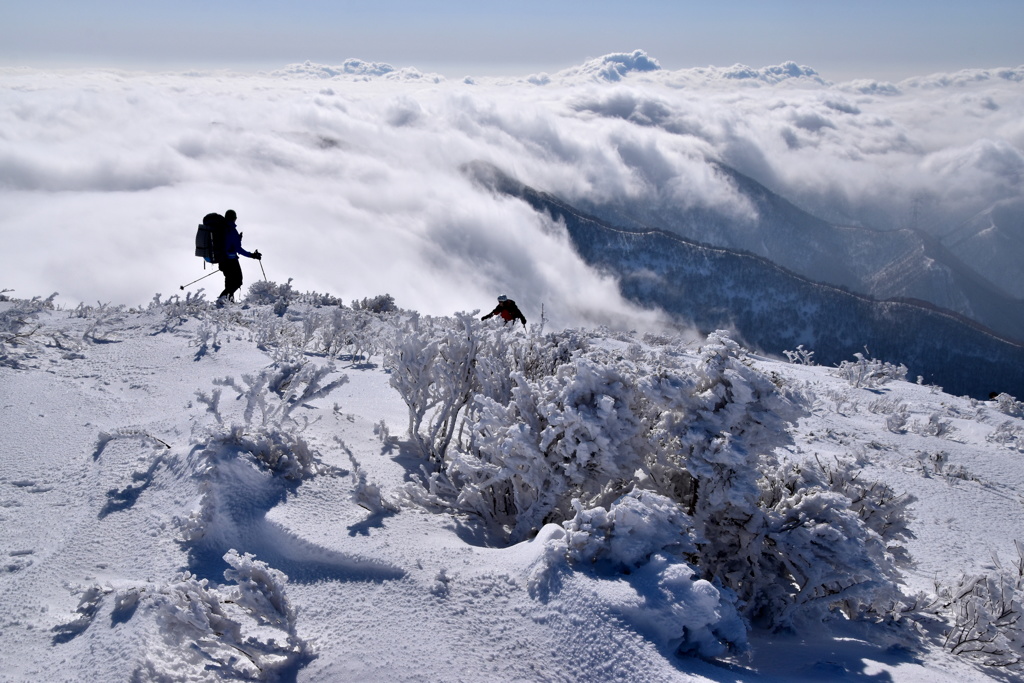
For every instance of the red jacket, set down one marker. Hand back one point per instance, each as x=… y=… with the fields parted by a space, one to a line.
x=508 y=311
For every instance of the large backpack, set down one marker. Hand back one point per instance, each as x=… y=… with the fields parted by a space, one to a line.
x=210 y=238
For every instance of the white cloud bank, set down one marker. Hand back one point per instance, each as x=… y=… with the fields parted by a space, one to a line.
x=348 y=178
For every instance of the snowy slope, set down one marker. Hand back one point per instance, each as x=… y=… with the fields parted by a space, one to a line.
x=193 y=493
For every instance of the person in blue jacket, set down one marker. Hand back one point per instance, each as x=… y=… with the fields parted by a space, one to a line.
x=228 y=259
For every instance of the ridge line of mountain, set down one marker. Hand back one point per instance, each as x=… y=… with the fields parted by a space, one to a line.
x=773 y=309
x=789 y=272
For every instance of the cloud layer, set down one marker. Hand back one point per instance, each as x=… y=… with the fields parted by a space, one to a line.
x=349 y=179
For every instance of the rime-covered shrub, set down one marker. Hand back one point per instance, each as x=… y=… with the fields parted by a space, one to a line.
x=350 y=333
x=869 y=373
x=897 y=421
x=713 y=426
x=283 y=451
x=269 y=431
x=433 y=368
x=936 y=426
x=265 y=292
x=791 y=547
x=272 y=332
x=1009 y=434
x=316 y=299
x=382 y=303
x=896 y=412
x=985 y=614
x=644 y=540
x=17 y=328
x=177 y=311
x=575 y=434
x=272 y=396
x=440 y=365
x=697 y=429
x=626 y=534
x=835 y=538
x=18 y=312
x=1009 y=405
x=882 y=509
x=98 y=317
x=800 y=356
x=242 y=630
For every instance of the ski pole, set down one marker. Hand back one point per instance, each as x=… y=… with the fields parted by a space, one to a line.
x=201 y=278
x=261 y=268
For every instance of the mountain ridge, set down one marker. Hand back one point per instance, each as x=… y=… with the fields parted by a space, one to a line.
x=774 y=309
x=904 y=263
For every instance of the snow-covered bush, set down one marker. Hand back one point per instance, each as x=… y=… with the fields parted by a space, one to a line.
x=274 y=333
x=382 y=303
x=287 y=385
x=288 y=324
x=886 y=405
x=626 y=534
x=800 y=356
x=439 y=366
x=986 y=615
x=896 y=422
x=16 y=327
x=207 y=334
x=835 y=537
x=99 y=316
x=366 y=494
x=936 y=426
x=177 y=311
x=575 y=434
x=269 y=430
x=352 y=333
x=282 y=451
x=869 y=373
x=716 y=430
x=1009 y=405
x=882 y=509
x=265 y=292
x=1009 y=434
x=434 y=374
x=242 y=630
x=896 y=412
x=697 y=429
x=643 y=538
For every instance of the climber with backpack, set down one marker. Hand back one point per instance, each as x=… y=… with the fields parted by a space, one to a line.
x=508 y=311
x=218 y=241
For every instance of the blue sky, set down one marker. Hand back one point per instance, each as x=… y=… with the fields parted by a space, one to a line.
x=867 y=38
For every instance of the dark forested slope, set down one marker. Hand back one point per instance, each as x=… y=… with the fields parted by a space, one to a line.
x=773 y=309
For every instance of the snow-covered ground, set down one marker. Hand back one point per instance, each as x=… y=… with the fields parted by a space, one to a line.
x=194 y=493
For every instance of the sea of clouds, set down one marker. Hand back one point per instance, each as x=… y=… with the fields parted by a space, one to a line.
x=351 y=179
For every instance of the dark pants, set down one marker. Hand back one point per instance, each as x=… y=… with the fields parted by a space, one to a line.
x=232 y=277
